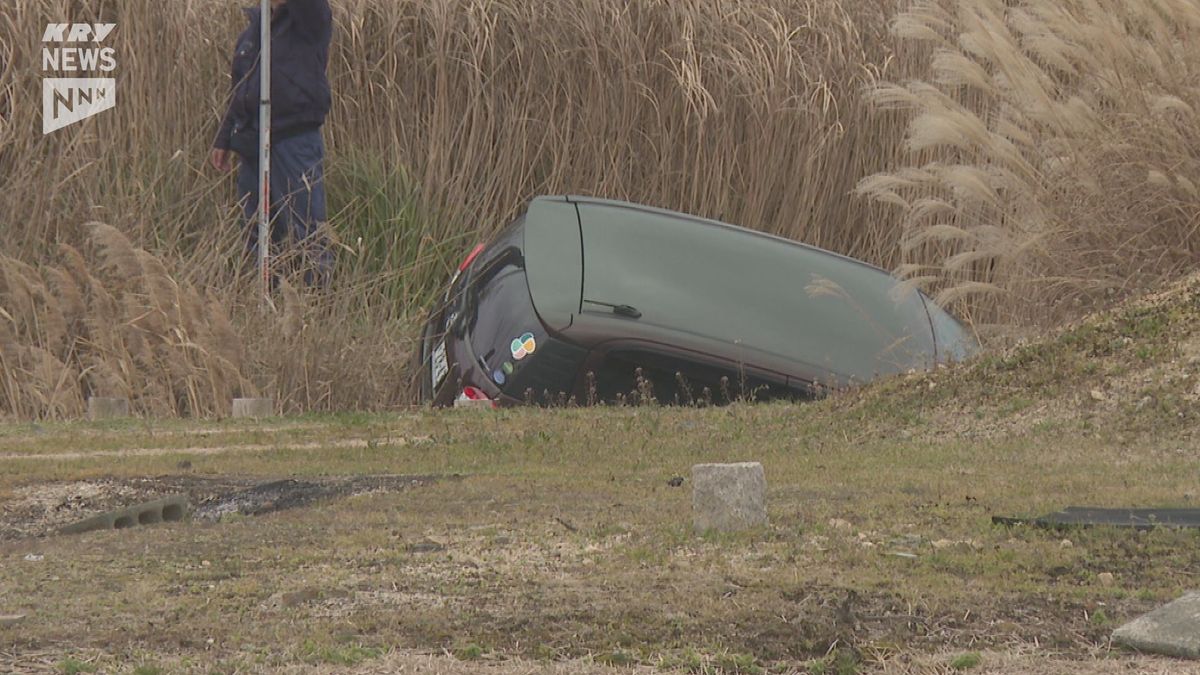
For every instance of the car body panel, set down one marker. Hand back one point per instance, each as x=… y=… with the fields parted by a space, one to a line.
x=742 y=291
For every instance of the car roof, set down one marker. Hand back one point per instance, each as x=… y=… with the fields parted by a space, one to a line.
x=718 y=287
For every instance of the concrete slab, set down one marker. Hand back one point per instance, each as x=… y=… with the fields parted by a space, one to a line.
x=1173 y=629
x=728 y=497
x=254 y=407
x=468 y=404
x=104 y=408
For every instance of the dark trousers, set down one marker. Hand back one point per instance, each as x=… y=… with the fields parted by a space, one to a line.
x=297 y=207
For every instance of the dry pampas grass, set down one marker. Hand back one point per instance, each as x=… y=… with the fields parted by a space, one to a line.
x=447 y=117
x=116 y=323
x=1053 y=149
x=747 y=111
x=120 y=327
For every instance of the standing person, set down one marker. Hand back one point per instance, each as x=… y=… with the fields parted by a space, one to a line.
x=300 y=34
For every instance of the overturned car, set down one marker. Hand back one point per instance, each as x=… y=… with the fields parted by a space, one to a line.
x=591 y=300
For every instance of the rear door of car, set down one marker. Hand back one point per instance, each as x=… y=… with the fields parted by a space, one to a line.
x=517 y=297
x=489 y=293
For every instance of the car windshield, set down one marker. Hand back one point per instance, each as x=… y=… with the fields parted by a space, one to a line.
x=954 y=343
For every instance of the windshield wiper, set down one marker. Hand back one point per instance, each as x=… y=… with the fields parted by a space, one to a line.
x=620 y=310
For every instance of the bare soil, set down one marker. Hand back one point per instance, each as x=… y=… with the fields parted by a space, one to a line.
x=40 y=510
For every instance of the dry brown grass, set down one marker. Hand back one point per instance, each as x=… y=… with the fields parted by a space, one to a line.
x=120 y=326
x=751 y=112
x=116 y=323
x=1053 y=150
x=1043 y=151
x=747 y=111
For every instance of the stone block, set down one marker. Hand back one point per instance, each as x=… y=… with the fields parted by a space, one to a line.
x=728 y=497
x=1173 y=629
x=469 y=404
x=167 y=509
x=105 y=408
x=254 y=407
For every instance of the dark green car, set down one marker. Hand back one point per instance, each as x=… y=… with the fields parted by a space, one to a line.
x=590 y=300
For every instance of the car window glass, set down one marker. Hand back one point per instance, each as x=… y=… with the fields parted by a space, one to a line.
x=635 y=375
x=511 y=237
x=510 y=345
x=463 y=283
x=954 y=343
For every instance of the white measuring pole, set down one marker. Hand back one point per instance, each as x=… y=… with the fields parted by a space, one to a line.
x=264 y=150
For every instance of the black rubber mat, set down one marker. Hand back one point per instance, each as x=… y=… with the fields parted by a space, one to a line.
x=1086 y=516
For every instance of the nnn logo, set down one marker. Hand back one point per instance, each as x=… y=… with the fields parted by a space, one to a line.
x=76 y=48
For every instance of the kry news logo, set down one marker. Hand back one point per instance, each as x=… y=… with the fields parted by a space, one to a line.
x=66 y=100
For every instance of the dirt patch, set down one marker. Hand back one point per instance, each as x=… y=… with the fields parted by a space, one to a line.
x=290 y=493
x=198 y=450
x=42 y=509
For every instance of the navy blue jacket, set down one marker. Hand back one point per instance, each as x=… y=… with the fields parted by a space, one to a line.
x=300 y=35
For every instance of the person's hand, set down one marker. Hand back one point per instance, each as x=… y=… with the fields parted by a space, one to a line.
x=220 y=159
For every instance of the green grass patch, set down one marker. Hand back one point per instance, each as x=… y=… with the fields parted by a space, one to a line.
x=338 y=655
x=469 y=652
x=72 y=666
x=557 y=533
x=966 y=661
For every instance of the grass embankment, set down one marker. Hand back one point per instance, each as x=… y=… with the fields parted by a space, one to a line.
x=562 y=538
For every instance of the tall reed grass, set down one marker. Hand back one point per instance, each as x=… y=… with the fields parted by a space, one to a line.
x=448 y=115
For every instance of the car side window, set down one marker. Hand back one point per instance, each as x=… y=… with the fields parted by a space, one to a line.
x=638 y=375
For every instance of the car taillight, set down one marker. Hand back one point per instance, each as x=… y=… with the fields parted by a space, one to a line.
x=474 y=253
x=473 y=396
x=465 y=264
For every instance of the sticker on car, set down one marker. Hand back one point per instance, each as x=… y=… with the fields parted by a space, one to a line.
x=438 y=364
x=523 y=346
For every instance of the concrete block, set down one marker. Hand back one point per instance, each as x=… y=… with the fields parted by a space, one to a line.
x=102 y=408
x=728 y=497
x=254 y=407
x=1173 y=629
x=468 y=404
x=167 y=509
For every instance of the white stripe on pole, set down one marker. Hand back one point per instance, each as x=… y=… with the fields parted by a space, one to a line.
x=264 y=150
